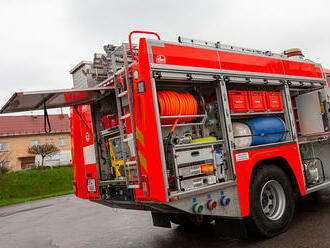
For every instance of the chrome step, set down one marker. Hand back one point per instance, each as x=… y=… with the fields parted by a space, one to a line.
x=123 y=93
x=133 y=186
x=125 y=116
x=128 y=139
x=131 y=162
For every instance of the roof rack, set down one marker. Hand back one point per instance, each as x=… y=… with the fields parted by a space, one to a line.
x=222 y=46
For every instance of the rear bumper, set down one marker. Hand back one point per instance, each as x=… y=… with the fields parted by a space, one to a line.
x=146 y=206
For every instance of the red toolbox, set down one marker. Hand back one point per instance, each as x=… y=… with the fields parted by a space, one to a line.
x=110 y=121
x=274 y=101
x=257 y=101
x=238 y=101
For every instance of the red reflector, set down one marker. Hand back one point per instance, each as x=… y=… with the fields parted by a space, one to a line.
x=75 y=188
x=145 y=185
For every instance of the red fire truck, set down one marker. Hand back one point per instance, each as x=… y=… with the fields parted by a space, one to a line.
x=196 y=131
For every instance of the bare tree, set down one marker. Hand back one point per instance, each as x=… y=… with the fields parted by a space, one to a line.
x=44 y=150
x=4 y=158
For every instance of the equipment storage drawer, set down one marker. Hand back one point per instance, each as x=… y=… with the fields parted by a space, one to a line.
x=238 y=101
x=194 y=155
x=188 y=171
x=192 y=183
x=197 y=182
x=274 y=101
x=257 y=101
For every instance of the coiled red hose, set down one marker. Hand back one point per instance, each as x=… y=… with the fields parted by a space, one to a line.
x=176 y=104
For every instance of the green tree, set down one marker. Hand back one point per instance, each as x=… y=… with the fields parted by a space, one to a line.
x=44 y=150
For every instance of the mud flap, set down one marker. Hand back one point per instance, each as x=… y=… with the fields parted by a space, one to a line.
x=234 y=228
x=161 y=220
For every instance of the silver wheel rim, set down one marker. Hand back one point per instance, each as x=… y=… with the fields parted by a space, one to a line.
x=272 y=200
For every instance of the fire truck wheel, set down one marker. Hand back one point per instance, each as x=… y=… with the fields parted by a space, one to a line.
x=271 y=202
x=190 y=220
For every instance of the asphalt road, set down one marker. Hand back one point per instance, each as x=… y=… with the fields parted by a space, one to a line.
x=70 y=222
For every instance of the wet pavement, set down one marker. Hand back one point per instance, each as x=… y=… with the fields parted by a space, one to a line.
x=70 y=222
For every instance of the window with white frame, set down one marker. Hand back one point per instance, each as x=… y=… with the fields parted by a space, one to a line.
x=62 y=142
x=4 y=147
x=35 y=143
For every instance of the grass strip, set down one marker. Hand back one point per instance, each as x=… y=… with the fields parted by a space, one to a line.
x=30 y=185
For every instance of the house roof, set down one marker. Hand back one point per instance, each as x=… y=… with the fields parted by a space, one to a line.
x=27 y=124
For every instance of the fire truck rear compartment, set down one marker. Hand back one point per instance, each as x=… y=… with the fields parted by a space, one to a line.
x=110 y=158
x=203 y=141
x=196 y=146
x=206 y=124
x=311 y=114
x=196 y=152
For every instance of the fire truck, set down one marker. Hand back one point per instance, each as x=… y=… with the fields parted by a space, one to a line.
x=196 y=131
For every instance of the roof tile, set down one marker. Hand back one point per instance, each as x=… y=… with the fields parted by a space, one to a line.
x=27 y=124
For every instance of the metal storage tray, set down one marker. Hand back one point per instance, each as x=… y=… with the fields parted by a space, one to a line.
x=193 y=155
x=193 y=183
x=197 y=182
x=188 y=171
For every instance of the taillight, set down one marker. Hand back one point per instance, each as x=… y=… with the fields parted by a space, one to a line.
x=91 y=185
x=145 y=185
x=75 y=188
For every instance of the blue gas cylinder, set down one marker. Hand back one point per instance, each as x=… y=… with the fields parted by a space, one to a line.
x=266 y=130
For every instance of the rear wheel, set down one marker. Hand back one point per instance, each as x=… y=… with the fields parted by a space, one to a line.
x=271 y=202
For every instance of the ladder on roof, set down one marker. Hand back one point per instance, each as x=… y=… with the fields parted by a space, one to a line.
x=102 y=66
x=124 y=100
x=229 y=47
x=116 y=56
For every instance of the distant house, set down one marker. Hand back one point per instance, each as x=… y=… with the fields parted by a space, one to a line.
x=17 y=133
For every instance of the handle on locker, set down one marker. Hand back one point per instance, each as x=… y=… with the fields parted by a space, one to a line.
x=195 y=153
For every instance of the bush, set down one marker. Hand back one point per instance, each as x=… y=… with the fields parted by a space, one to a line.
x=4 y=170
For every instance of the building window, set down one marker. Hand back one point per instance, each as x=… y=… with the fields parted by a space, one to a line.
x=51 y=141
x=46 y=141
x=35 y=143
x=62 y=142
x=4 y=147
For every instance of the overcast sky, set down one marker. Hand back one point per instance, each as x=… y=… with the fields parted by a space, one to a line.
x=42 y=40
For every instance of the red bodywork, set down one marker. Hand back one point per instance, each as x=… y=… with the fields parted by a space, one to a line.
x=205 y=58
x=244 y=170
x=147 y=134
x=82 y=137
x=179 y=55
x=149 y=150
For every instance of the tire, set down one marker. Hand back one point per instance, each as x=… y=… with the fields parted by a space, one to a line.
x=272 y=202
x=190 y=220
